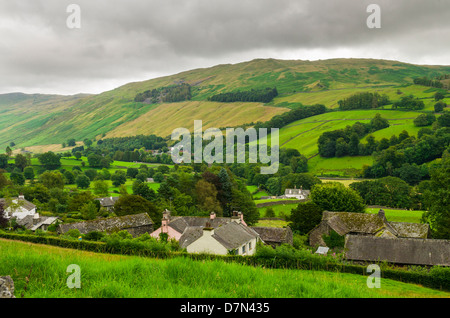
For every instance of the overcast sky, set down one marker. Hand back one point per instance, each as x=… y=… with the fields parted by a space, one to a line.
x=122 y=41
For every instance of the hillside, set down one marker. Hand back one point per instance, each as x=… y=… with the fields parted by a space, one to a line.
x=31 y=120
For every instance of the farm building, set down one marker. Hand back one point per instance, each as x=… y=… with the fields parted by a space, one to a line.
x=376 y=225
x=274 y=236
x=405 y=251
x=136 y=225
x=108 y=202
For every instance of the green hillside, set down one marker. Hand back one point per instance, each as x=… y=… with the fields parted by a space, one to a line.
x=31 y=120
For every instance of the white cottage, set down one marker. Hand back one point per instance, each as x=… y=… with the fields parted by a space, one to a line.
x=19 y=207
x=231 y=238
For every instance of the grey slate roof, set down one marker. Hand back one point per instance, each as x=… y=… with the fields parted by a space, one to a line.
x=274 y=234
x=108 y=224
x=233 y=235
x=398 y=250
x=23 y=203
x=44 y=221
x=108 y=201
x=180 y=223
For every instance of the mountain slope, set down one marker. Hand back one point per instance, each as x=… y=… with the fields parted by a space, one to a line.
x=45 y=119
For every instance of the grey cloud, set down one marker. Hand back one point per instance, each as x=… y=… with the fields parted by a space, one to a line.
x=122 y=40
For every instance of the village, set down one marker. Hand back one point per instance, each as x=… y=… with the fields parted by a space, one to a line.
x=368 y=237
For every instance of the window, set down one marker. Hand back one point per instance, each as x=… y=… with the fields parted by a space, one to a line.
x=243 y=249
x=249 y=246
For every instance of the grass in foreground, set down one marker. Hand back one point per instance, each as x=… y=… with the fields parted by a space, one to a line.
x=114 y=276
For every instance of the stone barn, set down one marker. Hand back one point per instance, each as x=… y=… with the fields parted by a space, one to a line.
x=136 y=225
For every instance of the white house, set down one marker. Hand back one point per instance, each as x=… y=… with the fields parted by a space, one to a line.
x=232 y=238
x=298 y=194
x=19 y=208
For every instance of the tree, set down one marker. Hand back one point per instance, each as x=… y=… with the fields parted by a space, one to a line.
x=20 y=161
x=50 y=160
x=118 y=178
x=83 y=181
x=142 y=189
x=437 y=199
x=28 y=173
x=78 y=155
x=89 y=210
x=336 y=197
x=225 y=192
x=439 y=106
x=8 y=151
x=52 y=179
x=424 y=120
x=378 y=123
x=305 y=217
x=71 y=143
x=17 y=178
x=438 y=96
x=77 y=200
x=3 y=161
x=100 y=188
x=91 y=174
x=206 y=194
x=269 y=213
x=132 y=172
x=135 y=204
x=158 y=177
x=69 y=177
x=3 y=219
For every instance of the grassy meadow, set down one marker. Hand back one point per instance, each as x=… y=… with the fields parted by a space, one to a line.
x=115 y=276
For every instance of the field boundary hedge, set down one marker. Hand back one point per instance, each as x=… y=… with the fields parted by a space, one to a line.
x=436 y=277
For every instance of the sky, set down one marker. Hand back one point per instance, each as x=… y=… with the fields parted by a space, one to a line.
x=122 y=41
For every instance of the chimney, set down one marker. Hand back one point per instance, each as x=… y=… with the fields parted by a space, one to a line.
x=208 y=230
x=381 y=214
x=212 y=216
x=165 y=221
x=21 y=197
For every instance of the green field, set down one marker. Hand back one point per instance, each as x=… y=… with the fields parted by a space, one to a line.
x=399 y=215
x=114 y=276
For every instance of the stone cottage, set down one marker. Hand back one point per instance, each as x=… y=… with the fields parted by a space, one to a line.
x=364 y=224
x=274 y=236
x=136 y=225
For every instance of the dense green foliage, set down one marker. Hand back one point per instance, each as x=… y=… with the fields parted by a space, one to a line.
x=364 y=100
x=336 y=197
x=169 y=94
x=345 y=142
x=255 y=95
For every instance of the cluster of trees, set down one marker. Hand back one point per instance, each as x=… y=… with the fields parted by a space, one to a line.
x=409 y=102
x=346 y=142
x=150 y=142
x=425 y=81
x=408 y=157
x=424 y=120
x=364 y=100
x=264 y=95
x=169 y=94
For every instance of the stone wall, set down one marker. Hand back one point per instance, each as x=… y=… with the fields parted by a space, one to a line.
x=6 y=287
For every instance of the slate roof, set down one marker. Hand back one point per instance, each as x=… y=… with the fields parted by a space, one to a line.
x=365 y=224
x=109 y=224
x=274 y=234
x=44 y=221
x=398 y=250
x=233 y=235
x=23 y=203
x=108 y=201
x=180 y=223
